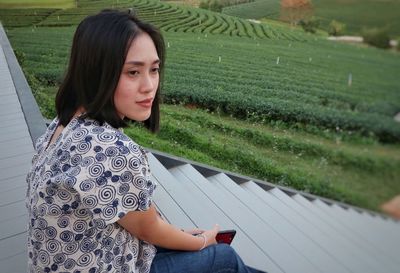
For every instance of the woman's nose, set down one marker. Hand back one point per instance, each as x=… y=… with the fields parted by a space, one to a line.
x=149 y=83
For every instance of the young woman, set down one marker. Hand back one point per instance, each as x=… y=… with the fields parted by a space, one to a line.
x=89 y=189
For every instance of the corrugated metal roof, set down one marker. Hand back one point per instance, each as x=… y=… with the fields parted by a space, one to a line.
x=16 y=152
x=278 y=229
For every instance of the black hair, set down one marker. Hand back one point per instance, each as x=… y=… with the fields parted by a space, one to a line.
x=99 y=49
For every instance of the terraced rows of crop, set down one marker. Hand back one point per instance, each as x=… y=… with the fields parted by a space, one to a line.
x=255 y=10
x=382 y=14
x=166 y=16
x=24 y=17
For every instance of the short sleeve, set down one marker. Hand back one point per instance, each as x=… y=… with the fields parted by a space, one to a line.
x=113 y=179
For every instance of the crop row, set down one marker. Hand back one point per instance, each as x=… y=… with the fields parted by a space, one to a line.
x=24 y=17
x=168 y=17
x=251 y=107
x=255 y=10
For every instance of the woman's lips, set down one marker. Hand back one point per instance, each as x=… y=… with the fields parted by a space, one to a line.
x=145 y=103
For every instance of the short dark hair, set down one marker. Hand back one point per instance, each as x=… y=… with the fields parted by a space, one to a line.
x=99 y=49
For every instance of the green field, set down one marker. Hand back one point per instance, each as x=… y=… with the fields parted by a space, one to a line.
x=63 y=4
x=255 y=10
x=262 y=100
x=356 y=14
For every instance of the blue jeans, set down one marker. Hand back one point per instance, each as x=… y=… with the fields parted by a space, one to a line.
x=219 y=258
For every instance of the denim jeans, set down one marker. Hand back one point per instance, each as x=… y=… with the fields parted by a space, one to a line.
x=219 y=258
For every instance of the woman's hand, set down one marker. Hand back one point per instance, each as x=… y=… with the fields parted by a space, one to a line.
x=210 y=235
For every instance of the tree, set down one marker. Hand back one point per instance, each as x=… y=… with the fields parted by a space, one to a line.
x=336 y=28
x=309 y=25
x=377 y=37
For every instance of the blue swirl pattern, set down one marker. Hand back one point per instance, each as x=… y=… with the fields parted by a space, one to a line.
x=78 y=188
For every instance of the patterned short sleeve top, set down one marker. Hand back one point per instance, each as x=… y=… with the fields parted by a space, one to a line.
x=78 y=188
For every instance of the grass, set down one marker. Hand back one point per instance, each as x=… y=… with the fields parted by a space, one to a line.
x=27 y=4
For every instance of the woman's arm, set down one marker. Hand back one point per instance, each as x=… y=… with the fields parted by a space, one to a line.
x=149 y=227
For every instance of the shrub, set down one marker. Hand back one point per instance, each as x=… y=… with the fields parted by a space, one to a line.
x=217 y=5
x=21 y=57
x=377 y=37
x=213 y=5
x=310 y=24
x=336 y=28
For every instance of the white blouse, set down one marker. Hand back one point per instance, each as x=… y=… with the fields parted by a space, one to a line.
x=78 y=188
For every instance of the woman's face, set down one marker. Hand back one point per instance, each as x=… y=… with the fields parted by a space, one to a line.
x=138 y=81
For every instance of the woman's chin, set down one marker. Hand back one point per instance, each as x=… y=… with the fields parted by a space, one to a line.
x=139 y=118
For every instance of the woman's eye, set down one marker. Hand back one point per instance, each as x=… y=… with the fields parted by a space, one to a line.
x=133 y=72
x=155 y=70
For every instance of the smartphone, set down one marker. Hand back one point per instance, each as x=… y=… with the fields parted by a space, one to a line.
x=225 y=236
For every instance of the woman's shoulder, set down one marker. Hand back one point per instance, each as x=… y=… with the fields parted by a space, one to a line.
x=49 y=131
x=104 y=136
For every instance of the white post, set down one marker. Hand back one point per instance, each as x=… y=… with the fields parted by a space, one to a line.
x=350 y=80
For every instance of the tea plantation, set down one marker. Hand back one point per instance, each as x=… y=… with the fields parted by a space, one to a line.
x=356 y=14
x=270 y=102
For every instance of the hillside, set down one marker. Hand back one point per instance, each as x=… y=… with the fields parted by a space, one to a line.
x=263 y=100
x=356 y=14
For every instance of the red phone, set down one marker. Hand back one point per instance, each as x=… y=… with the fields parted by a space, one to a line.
x=225 y=236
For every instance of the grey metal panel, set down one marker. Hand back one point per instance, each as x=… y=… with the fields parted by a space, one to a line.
x=304 y=245
x=180 y=197
x=275 y=245
x=376 y=234
x=15 y=115
x=168 y=207
x=13 y=245
x=376 y=249
x=11 y=98
x=15 y=264
x=12 y=108
x=379 y=241
x=17 y=150
x=338 y=231
x=12 y=196
x=201 y=190
x=21 y=160
x=12 y=122
x=389 y=225
x=35 y=122
x=12 y=172
x=10 y=227
x=13 y=142
x=343 y=249
x=12 y=183
x=289 y=209
x=12 y=210
x=13 y=132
